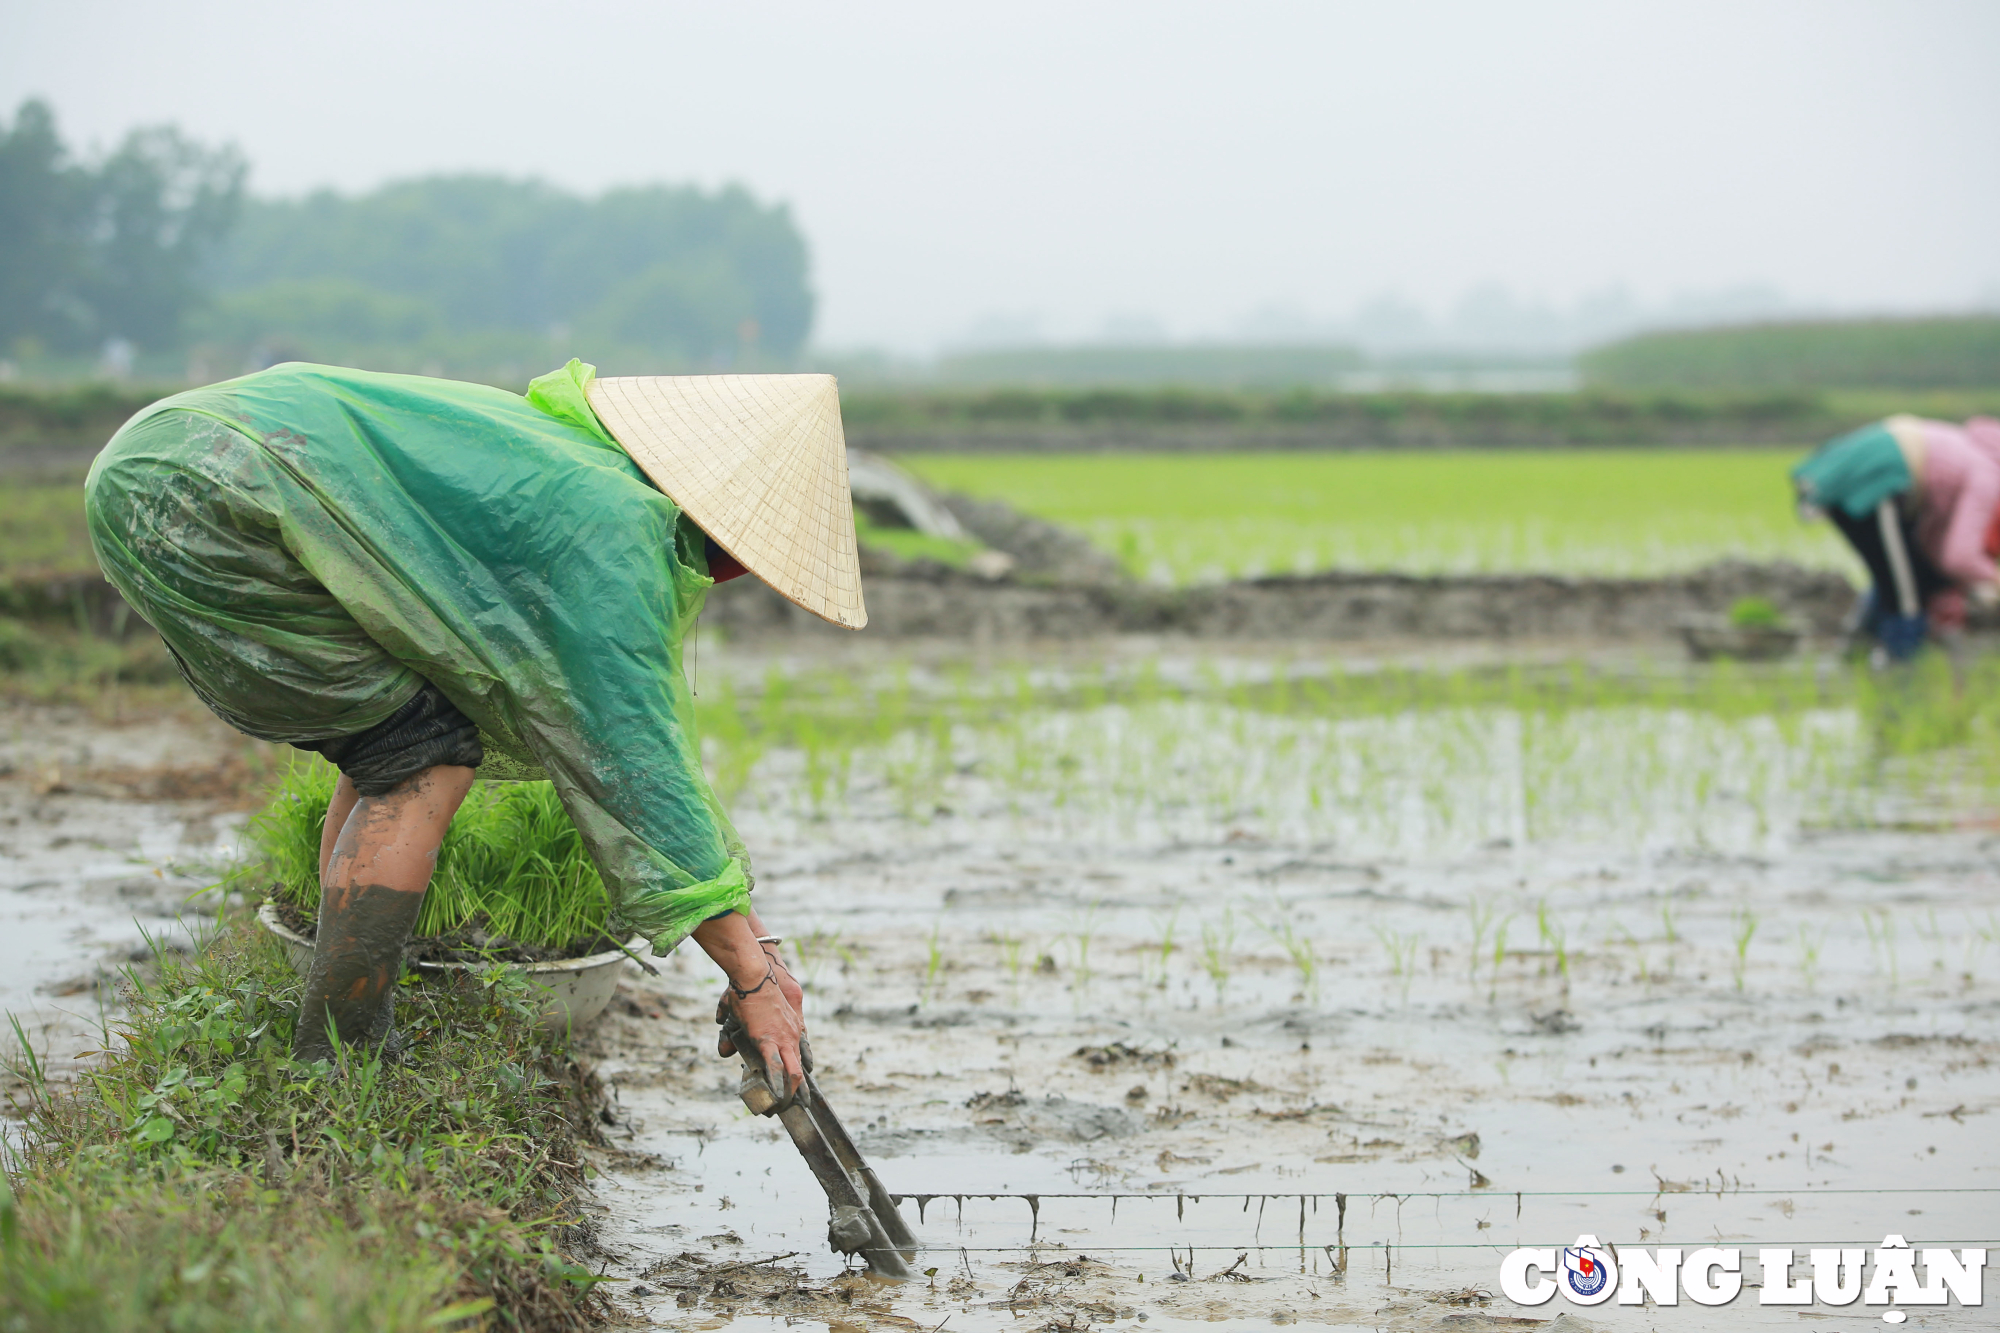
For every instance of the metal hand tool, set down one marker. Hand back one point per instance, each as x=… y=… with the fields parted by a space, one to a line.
x=863 y=1218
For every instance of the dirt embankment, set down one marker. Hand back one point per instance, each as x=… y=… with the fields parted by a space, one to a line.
x=1062 y=587
x=922 y=599
x=929 y=600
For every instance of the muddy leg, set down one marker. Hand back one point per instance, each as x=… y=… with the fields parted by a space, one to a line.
x=337 y=811
x=374 y=882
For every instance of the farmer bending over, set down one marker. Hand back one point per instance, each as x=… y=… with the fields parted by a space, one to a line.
x=420 y=578
x=1916 y=499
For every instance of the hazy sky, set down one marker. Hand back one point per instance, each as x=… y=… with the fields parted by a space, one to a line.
x=1065 y=165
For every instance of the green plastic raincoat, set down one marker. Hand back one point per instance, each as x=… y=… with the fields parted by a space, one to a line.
x=314 y=543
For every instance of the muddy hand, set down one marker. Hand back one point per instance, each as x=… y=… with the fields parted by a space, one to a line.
x=725 y=1047
x=786 y=983
x=770 y=1021
x=757 y=995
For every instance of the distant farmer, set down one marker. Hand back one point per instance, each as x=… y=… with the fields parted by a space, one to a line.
x=1917 y=500
x=419 y=577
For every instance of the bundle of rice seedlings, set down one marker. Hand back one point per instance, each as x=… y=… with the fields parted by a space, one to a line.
x=512 y=864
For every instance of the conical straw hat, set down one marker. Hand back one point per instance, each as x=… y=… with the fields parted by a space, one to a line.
x=760 y=462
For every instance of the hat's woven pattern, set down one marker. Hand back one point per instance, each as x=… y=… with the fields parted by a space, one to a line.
x=760 y=462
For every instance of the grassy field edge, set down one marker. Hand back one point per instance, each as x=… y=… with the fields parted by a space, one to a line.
x=196 y=1178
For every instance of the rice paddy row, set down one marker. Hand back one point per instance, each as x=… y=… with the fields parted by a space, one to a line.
x=1383 y=759
x=1360 y=764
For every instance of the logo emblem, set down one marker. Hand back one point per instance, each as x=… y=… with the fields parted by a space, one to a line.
x=1588 y=1276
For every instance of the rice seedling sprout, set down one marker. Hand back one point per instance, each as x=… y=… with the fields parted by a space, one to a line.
x=1010 y=954
x=1079 y=939
x=813 y=949
x=933 y=961
x=1166 y=944
x=1881 y=928
x=1482 y=913
x=1499 y=956
x=1218 y=944
x=1402 y=951
x=1299 y=949
x=1555 y=936
x=1979 y=938
x=1810 y=944
x=1933 y=934
x=1743 y=927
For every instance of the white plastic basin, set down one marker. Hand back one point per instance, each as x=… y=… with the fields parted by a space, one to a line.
x=577 y=989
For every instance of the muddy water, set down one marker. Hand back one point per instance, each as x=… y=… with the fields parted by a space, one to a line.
x=92 y=878
x=1056 y=990
x=1078 y=1026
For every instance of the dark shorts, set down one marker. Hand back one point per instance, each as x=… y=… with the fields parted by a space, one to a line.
x=427 y=731
x=1865 y=536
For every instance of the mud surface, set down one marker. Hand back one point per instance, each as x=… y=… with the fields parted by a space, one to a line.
x=106 y=830
x=1063 y=1009
x=1648 y=1099
x=1081 y=1045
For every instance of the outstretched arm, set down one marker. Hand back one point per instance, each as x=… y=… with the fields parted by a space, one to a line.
x=761 y=992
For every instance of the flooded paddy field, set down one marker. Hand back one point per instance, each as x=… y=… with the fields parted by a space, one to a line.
x=1248 y=991
x=1249 y=973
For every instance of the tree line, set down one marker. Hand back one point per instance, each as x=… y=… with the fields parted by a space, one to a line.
x=110 y=249
x=1940 y=352
x=157 y=244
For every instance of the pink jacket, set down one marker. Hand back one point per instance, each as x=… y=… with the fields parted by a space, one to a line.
x=1958 y=483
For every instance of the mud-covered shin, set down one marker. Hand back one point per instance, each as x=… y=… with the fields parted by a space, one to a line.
x=378 y=855
x=351 y=988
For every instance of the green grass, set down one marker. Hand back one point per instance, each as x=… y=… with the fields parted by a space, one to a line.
x=76 y=416
x=199 y=1180
x=512 y=861
x=1755 y=613
x=909 y=544
x=41 y=527
x=1190 y=517
x=54 y=663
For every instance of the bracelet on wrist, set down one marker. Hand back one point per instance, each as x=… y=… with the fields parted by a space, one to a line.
x=743 y=994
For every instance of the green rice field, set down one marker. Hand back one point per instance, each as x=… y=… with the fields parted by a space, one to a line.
x=1187 y=518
